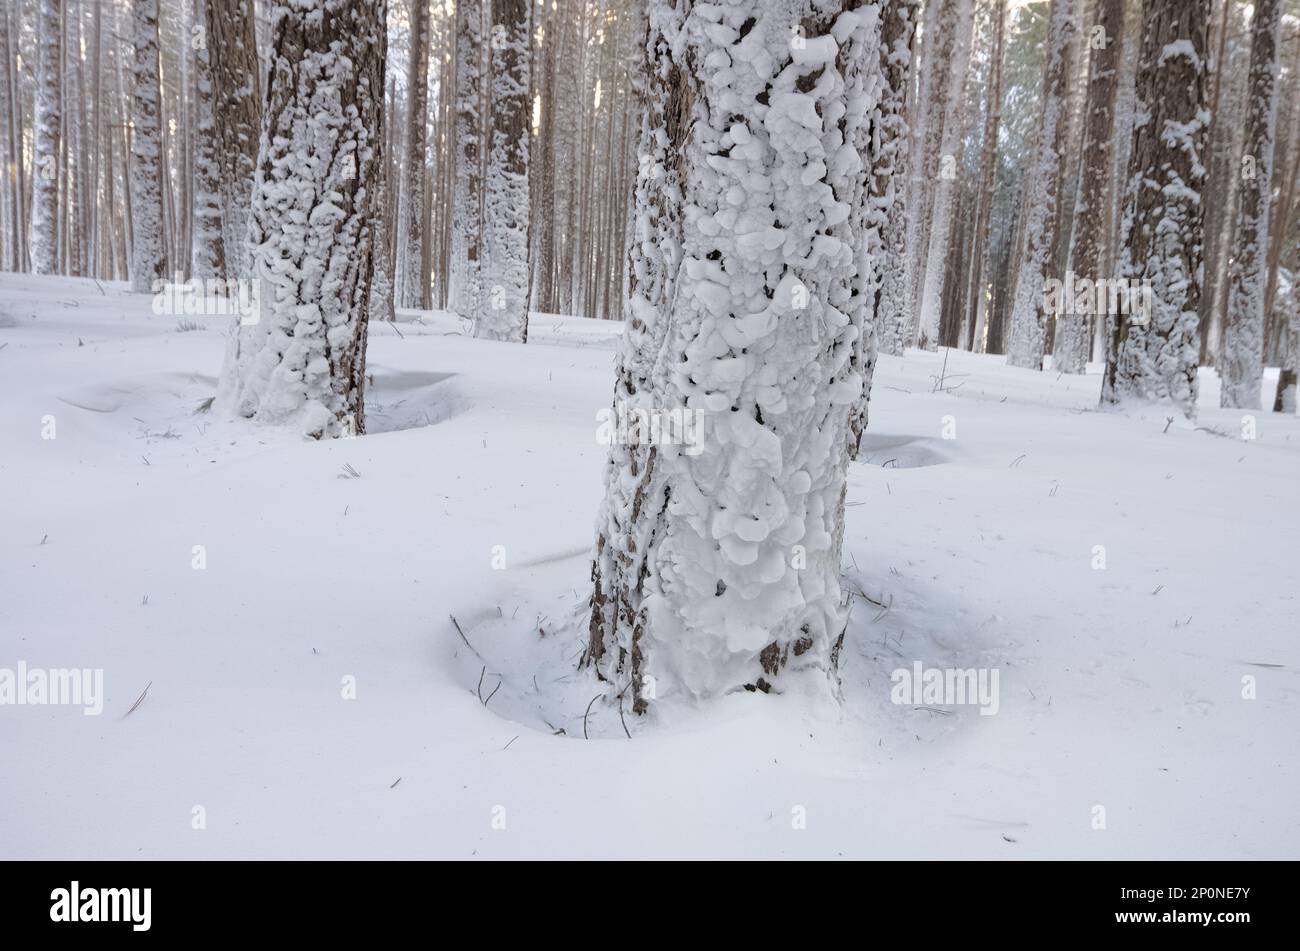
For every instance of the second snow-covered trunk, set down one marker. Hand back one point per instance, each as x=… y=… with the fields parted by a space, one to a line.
x=1027 y=341
x=1154 y=345
x=717 y=564
x=503 y=313
x=950 y=144
x=1242 y=366
x=208 y=258
x=1091 y=217
x=45 y=153
x=467 y=223
x=148 y=251
x=415 y=291
x=302 y=364
x=236 y=116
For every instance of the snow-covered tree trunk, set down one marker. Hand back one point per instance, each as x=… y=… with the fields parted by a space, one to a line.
x=1154 y=355
x=889 y=172
x=208 y=256
x=1027 y=340
x=1072 y=343
x=45 y=142
x=11 y=115
x=1284 y=401
x=467 y=224
x=236 y=107
x=977 y=308
x=302 y=364
x=1242 y=367
x=717 y=558
x=415 y=291
x=950 y=144
x=383 y=239
x=148 y=249
x=503 y=314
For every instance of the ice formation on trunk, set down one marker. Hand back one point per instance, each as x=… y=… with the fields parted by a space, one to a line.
x=717 y=570
x=302 y=364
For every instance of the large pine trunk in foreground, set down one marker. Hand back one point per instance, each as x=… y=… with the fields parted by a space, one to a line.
x=1028 y=338
x=503 y=311
x=1155 y=356
x=148 y=252
x=1242 y=367
x=302 y=364
x=717 y=564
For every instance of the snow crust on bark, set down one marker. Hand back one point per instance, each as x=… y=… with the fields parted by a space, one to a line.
x=503 y=310
x=302 y=363
x=148 y=256
x=716 y=571
x=48 y=120
x=467 y=250
x=1155 y=356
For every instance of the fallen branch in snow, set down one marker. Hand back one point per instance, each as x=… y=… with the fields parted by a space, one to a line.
x=584 y=717
x=139 y=700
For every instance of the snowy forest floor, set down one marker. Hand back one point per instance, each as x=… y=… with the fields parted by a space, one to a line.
x=1119 y=687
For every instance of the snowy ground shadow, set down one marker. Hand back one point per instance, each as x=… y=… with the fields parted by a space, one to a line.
x=902 y=452
x=408 y=399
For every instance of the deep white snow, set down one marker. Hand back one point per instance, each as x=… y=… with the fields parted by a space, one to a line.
x=1120 y=687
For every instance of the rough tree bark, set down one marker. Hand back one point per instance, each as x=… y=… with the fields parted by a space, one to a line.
x=1027 y=341
x=415 y=290
x=1091 y=211
x=467 y=221
x=46 y=140
x=1242 y=367
x=208 y=259
x=506 y=274
x=302 y=363
x=236 y=114
x=148 y=248
x=1154 y=356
